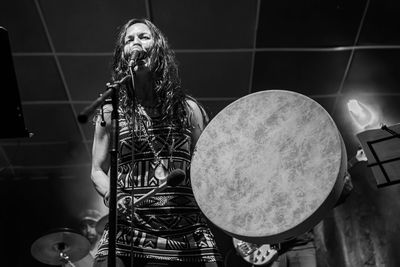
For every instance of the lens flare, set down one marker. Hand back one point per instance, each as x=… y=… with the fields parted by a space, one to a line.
x=362 y=116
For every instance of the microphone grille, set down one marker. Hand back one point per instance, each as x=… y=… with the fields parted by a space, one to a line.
x=135 y=56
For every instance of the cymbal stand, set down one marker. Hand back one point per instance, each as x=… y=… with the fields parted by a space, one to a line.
x=64 y=258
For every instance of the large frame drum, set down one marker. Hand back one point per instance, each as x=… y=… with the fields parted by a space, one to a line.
x=269 y=166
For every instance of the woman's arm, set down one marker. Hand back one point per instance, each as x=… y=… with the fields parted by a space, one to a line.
x=100 y=153
x=198 y=120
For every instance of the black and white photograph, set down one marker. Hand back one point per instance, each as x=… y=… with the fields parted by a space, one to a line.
x=200 y=133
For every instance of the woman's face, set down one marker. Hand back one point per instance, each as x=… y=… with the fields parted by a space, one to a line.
x=138 y=37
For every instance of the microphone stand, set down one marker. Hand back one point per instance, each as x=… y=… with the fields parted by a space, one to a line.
x=112 y=91
x=112 y=212
x=131 y=66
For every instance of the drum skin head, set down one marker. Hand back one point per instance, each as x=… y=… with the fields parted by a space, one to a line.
x=266 y=164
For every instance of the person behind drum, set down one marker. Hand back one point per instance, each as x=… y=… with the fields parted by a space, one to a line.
x=88 y=221
x=301 y=250
x=164 y=124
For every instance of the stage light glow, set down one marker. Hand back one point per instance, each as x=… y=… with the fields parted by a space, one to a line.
x=362 y=116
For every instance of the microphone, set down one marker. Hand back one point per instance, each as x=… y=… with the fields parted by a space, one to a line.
x=173 y=179
x=135 y=56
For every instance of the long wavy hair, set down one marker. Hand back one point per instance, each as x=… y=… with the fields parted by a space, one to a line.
x=167 y=84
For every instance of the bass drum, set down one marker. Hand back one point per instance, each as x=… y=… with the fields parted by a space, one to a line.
x=269 y=166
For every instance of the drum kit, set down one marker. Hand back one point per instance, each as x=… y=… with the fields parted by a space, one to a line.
x=60 y=246
x=64 y=246
x=266 y=169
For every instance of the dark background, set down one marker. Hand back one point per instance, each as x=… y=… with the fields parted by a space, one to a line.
x=329 y=50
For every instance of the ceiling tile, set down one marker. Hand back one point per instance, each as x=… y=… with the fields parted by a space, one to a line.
x=65 y=153
x=308 y=73
x=86 y=76
x=374 y=71
x=206 y=23
x=312 y=23
x=88 y=26
x=326 y=102
x=6 y=174
x=51 y=123
x=215 y=74
x=24 y=26
x=215 y=106
x=38 y=79
x=381 y=24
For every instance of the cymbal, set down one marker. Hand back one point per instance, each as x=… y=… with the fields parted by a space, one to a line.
x=101 y=224
x=47 y=248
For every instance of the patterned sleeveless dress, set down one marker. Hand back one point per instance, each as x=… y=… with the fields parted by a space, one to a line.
x=169 y=225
